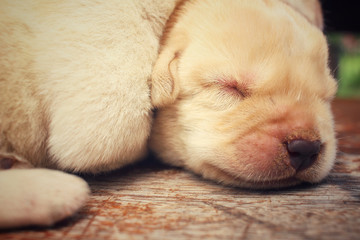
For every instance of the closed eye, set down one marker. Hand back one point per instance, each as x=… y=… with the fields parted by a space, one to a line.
x=233 y=87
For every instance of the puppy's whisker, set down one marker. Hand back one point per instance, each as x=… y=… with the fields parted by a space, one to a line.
x=333 y=72
x=343 y=137
x=272 y=101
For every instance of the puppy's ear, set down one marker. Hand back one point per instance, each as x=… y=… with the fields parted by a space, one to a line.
x=310 y=9
x=164 y=80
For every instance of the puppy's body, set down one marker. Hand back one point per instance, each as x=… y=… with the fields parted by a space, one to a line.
x=74 y=88
x=74 y=95
x=238 y=85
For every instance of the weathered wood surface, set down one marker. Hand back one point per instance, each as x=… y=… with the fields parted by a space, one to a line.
x=151 y=201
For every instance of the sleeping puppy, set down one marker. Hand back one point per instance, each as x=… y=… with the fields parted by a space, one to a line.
x=241 y=90
x=247 y=93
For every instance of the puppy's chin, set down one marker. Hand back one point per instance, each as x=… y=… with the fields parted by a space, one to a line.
x=222 y=176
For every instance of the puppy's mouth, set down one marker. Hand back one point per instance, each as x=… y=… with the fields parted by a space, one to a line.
x=213 y=172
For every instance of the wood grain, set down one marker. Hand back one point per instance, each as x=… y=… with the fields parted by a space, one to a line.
x=153 y=201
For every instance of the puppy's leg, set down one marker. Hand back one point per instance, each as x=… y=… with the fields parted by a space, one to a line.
x=39 y=196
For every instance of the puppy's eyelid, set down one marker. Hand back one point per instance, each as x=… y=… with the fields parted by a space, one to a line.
x=244 y=91
x=233 y=87
x=241 y=92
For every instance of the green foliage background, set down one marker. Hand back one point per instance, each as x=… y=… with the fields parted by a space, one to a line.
x=346 y=47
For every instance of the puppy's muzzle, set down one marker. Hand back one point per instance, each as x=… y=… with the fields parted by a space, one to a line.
x=303 y=153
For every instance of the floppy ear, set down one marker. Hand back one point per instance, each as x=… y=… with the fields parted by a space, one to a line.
x=164 y=80
x=310 y=9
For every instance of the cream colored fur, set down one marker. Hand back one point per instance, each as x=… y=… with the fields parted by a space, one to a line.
x=74 y=90
x=39 y=196
x=233 y=80
x=74 y=95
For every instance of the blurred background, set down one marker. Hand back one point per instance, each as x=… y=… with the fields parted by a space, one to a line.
x=342 y=27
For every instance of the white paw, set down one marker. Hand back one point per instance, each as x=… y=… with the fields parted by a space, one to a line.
x=39 y=196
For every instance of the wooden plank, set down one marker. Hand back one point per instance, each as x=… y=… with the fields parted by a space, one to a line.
x=152 y=201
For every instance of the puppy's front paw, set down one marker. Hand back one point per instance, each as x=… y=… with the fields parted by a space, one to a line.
x=39 y=197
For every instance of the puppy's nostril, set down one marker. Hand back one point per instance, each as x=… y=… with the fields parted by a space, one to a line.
x=303 y=153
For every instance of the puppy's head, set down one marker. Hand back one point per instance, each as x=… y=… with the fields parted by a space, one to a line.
x=243 y=93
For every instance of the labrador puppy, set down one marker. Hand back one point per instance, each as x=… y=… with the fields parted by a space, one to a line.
x=247 y=94
x=241 y=91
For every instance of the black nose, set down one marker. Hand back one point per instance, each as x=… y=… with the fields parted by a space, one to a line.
x=303 y=153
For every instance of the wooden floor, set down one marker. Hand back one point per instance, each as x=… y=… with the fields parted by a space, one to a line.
x=151 y=201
